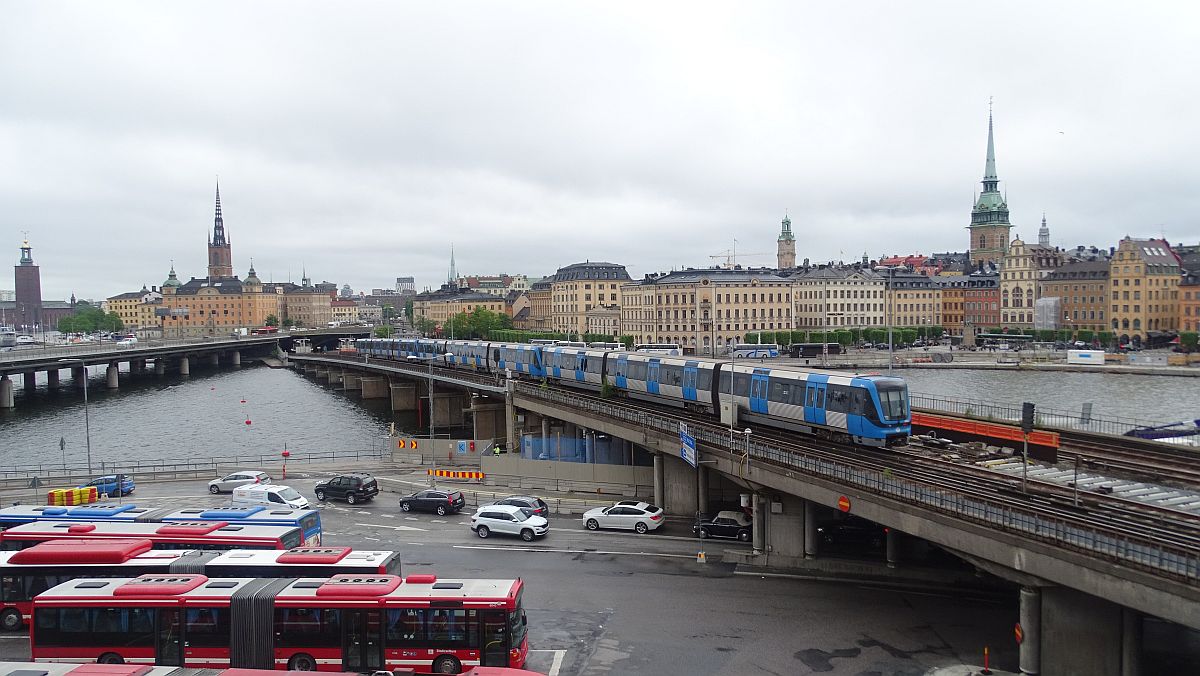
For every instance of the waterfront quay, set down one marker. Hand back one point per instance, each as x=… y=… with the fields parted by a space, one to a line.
x=620 y=603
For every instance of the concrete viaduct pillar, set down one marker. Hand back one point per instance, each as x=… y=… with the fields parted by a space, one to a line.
x=811 y=539
x=701 y=488
x=892 y=547
x=545 y=437
x=236 y=358
x=351 y=381
x=29 y=382
x=1077 y=633
x=111 y=377
x=679 y=486
x=374 y=387
x=52 y=379
x=488 y=420
x=447 y=409
x=6 y=392
x=404 y=396
x=78 y=374
x=160 y=366
x=214 y=359
x=137 y=366
x=185 y=367
x=659 y=480
x=510 y=416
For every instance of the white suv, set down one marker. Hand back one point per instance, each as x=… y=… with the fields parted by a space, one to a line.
x=508 y=519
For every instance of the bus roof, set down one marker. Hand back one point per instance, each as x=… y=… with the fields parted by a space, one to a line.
x=257 y=513
x=94 y=529
x=341 y=589
x=138 y=552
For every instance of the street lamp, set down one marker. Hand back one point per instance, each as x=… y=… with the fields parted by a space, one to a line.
x=430 y=360
x=888 y=307
x=87 y=426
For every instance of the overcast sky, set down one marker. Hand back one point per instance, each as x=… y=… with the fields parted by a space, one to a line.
x=358 y=140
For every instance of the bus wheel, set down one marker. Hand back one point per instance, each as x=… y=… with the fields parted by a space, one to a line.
x=11 y=620
x=446 y=664
x=302 y=662
x=110 y=658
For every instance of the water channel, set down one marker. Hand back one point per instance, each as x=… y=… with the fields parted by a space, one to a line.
x=170 y=417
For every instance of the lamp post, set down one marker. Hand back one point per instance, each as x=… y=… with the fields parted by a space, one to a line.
x=87 y=425
x=888 y=307
x=429 y=360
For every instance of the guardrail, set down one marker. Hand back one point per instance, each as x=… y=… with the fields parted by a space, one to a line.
x=1045 y=417
x=1069 y=533
x=75 y=474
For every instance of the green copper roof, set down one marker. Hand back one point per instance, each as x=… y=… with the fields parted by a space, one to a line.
x=989 y=166
x=785 y=235
x=172 y=280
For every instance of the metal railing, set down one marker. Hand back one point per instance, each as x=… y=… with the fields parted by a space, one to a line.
x=50 y=474
x=1045 y=417
x=1067 y=532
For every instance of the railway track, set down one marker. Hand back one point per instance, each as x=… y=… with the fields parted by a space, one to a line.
x=1136 y=457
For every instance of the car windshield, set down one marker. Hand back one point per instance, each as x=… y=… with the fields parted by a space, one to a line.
x=289 y=494
x=521 y=515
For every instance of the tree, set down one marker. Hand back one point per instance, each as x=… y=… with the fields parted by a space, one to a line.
x=382 y=331
x=288 y=323
x=272 y=320
x=1086 y=335
x=408 y=309
x=388 y=312
x=1188 y=340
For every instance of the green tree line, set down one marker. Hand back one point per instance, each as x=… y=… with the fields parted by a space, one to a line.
x=89 y=318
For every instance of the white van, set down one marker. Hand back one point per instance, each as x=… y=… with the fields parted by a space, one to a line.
x=268 y=495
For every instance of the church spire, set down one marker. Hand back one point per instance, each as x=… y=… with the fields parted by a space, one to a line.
x=218 y=222
x=989 y=167
x=1044 y=232
x=453 y=278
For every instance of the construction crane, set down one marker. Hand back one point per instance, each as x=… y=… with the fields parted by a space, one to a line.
x=731 y=256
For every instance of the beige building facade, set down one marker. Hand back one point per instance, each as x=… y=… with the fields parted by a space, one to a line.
x=838 y=297
x=578 y=288
x=700 y=309
x=1144 y=277
x=1023 y=267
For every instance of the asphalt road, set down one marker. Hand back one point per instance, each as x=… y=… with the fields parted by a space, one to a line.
x=620 y=603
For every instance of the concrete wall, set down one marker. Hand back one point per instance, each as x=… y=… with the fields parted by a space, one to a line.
x=1081 y=634
x=517 y=472
x=679 y=486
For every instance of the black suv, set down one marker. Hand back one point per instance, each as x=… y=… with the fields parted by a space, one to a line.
x=352 y=488
x=433 y=500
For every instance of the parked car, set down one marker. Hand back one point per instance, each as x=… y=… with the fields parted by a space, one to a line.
x=352 y=488
x=852 y=530
x=232 y=481
x=268 y=495
x=527 y=502
x=112 y=484
x=509 y=519
x=433 y=500
x=641 y=517
x=731 y=524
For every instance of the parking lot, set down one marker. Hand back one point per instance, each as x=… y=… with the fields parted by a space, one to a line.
x=615 y=602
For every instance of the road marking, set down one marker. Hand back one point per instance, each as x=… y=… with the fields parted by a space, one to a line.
x=556 y=664
x=367 y=538
x=380 y=525
x=411 y=518
x=15 y=636
x=388 y=516
x=576 y=551
x=367 y=513
x=437 y=521
x=415 y=544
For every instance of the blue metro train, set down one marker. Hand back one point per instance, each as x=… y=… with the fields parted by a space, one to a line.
x=870 y=410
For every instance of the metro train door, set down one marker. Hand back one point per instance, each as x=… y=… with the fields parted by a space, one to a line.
x=759 y=382
x=652 y=370
x=814 y=402
x=690 y=374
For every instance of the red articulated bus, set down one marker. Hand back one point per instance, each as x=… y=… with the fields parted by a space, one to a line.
x=342 y=623
x=219 y=535
x=45 y=669
x=29 y=572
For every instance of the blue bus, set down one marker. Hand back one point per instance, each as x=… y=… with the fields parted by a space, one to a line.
x=308 y=520
x=755 y=351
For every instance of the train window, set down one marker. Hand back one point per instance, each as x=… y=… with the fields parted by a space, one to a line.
x=637 y=370
x=781 y=391
x=704 y=379
x=670 y=375
x=741 y=383
x=811 y=396
x=859 y=399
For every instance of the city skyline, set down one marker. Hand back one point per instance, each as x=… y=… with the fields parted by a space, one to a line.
x=598 y=135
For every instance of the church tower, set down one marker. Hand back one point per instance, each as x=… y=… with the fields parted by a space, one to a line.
x=989 y=219
x=1044 y=233
x=785 y=252
x=220 y=256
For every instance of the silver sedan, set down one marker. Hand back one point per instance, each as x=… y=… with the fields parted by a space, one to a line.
x=228 y=483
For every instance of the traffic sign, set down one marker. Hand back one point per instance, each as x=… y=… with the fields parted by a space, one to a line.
x=844 y=504
x=687 y=445
x=1019 y=633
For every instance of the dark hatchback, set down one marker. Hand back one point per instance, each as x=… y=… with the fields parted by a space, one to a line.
x=433 y=500
x=852 y=532
x=352 y=488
